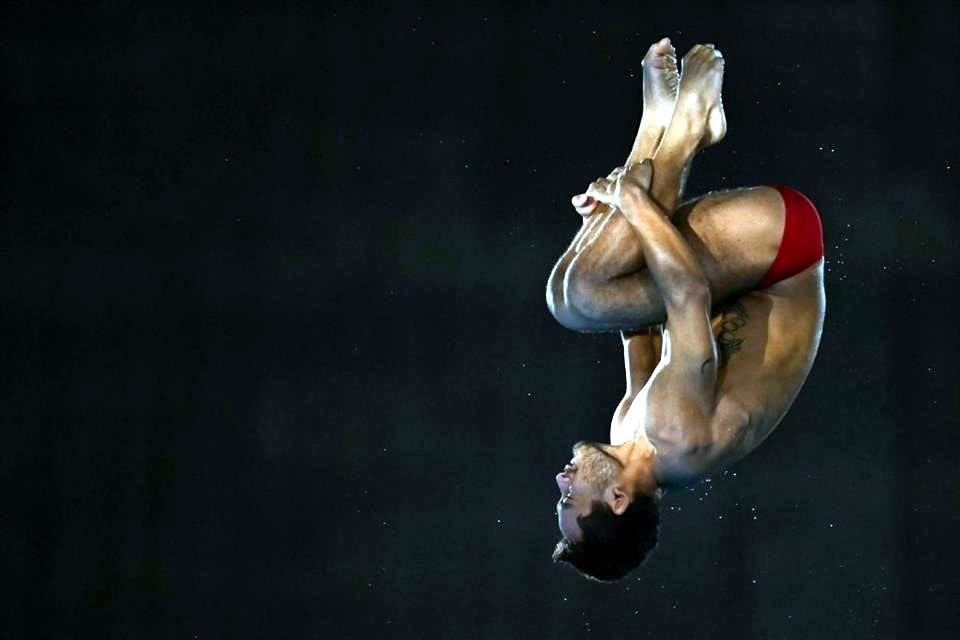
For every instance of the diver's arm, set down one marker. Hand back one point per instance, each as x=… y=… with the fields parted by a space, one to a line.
x=641 y=354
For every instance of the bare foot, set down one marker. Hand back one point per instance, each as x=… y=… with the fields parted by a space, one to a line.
x=660 y=83
x=699 y=101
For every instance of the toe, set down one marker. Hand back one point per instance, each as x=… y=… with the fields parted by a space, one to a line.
x=660 y=53
x=693 y=53
x=663 y=47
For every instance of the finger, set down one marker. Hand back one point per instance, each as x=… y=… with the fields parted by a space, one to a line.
x=616 y=172
x=609 y=180
x=584 y=204
x=588 y=209
x=601 y=185
x=599 y=191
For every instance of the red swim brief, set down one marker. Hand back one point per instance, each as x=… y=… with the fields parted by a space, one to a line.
x=802 y=242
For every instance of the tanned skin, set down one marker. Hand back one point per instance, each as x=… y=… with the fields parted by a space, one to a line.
x=712 y=363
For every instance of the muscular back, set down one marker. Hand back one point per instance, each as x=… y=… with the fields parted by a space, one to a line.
x=767 y=340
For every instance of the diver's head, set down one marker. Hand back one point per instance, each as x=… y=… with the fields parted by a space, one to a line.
x=607 y=517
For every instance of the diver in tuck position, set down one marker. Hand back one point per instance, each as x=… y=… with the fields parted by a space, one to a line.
x=720 y=306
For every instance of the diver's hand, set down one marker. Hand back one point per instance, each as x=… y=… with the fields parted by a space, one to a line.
x=612 y=190
x=587 y=205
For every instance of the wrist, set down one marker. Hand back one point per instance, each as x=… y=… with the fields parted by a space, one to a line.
x=632 y=196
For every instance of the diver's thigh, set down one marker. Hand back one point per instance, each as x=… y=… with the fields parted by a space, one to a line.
x=735 y=235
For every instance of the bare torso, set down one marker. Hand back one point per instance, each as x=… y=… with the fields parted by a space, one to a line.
x=766 y=339
x=765 y=361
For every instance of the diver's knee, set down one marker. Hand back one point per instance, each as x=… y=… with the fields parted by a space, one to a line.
x=562 y=307
x=581 y=293
x=564 y=313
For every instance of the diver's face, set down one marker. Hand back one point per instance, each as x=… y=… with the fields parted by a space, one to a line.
x=584 y=480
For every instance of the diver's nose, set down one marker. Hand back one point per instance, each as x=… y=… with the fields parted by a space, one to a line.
x=563 y=481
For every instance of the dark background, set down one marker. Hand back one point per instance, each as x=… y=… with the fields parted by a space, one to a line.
x=278 y=362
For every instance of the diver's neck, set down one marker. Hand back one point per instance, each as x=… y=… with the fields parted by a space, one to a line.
x=638 y=458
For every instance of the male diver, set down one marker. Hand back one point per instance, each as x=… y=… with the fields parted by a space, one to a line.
x=719 y=303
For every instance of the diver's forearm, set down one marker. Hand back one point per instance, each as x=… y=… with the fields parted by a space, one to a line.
x=670 y=260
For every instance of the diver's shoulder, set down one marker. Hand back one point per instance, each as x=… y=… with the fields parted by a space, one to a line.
x=686 y=460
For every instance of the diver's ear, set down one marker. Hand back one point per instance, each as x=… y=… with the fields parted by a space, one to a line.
x=621 y=500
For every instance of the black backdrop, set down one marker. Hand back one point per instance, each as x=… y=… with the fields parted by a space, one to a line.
x=278 y=360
